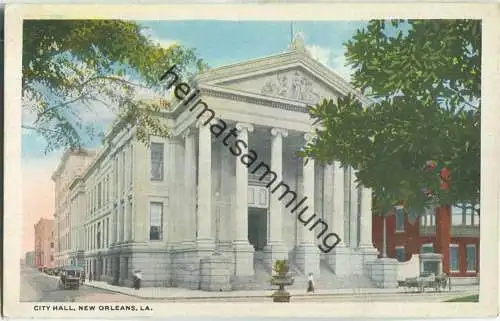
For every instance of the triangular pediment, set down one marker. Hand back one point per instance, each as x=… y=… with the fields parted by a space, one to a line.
x=292 y=76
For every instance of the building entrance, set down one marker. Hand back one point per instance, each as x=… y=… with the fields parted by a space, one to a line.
x=257 y=227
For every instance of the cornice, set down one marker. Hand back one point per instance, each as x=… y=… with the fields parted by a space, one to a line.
x=264 y=101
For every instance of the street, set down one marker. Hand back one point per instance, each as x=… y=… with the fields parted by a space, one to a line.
x=39 y=287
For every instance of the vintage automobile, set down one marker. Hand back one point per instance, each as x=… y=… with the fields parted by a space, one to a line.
x=70 y=277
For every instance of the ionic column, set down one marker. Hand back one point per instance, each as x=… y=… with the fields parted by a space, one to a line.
x=189 y=184
x=308 y=183
x=241 y=215
x=328 y=195
x=277 y=166
x=276 y=248
x=366 y=218
x=243 y=250
x=338 y=201
x=307 y=256
x=353 y=210
x=204 y=216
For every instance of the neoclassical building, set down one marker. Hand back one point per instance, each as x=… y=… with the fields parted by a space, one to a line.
x=169 y=208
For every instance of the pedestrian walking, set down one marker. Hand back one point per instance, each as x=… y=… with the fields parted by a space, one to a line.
x=137 y=279
x=90 y=277
x=310 y=283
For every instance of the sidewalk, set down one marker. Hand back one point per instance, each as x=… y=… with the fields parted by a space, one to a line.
x=183 y=294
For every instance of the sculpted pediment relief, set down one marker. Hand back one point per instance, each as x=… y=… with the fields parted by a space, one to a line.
x=292 y=84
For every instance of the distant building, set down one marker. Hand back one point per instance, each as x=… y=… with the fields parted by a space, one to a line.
x=29 y=258
x=44 y=243
x=68 y=230
x=460 y=250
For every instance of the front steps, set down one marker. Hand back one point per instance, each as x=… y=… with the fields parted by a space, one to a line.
x=326 y=280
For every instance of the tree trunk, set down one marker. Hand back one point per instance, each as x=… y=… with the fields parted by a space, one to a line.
x=443 y=234
x=384 y=242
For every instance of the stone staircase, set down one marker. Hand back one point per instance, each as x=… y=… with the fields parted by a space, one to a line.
x=326 y=280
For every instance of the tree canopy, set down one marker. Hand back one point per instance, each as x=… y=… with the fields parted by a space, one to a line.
x=424 y=79
x=71 y=66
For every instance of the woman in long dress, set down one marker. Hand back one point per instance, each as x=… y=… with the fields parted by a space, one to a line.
x=310 y=283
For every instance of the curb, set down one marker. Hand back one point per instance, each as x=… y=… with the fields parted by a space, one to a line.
x=304 y=295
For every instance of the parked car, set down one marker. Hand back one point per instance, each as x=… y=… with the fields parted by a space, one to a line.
x=70 y=277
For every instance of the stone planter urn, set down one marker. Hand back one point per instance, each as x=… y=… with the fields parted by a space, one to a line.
x=281 y=279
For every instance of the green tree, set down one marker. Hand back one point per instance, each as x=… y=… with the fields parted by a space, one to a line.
x=71 y=66
x=424 y=79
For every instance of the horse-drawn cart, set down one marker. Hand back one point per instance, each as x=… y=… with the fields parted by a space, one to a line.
x=438 y=283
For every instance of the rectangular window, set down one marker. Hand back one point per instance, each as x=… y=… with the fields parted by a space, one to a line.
x=98 y=235
x=471 y=257
x=131 y=166
x=427 y=248
x=99 y=194
x=400 y=253
x=400 y=219
x=156 y=221
x=457 y=214
x=51 y=245
x=124 y=171
x=454 y=267
x=157 y=161
x=107 y=232
x=116 y=177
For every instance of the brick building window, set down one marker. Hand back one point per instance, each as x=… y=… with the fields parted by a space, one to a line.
x=471 y=257
x=454 y=266
x=400 y=253
x=400 y=218
x=427 y=248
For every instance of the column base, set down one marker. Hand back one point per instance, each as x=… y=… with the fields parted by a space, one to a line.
x=307 y=258
x=205 y=245
x=339 y=259
x=384 y=272
x=276 y=250
x=243 y=258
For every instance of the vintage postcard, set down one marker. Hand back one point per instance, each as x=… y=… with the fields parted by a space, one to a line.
x=248 y=160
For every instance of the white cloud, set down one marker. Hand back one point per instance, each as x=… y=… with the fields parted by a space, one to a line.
x=333 y=59
x=163 y=42
x=338 y=64
x=321 y=54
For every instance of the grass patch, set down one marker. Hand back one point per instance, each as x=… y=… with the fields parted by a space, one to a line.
x=469 y=298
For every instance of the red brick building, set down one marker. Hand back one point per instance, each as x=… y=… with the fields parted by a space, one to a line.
x=44 y=243
x=451 y=231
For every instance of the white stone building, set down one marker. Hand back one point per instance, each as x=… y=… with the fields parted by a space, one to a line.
x=163 y=208
x=72 y=164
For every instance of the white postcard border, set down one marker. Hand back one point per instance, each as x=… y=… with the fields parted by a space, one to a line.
x=489 y=258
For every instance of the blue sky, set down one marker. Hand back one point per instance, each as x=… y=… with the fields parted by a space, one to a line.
x=225 y=42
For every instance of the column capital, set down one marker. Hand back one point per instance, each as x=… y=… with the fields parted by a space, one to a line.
x=279 y=131
x=309 y=136
x=202 y=123
x=245 y=126
x=187 y=132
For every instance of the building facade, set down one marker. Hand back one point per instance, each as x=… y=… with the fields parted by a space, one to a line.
x=459 y=225
x=44 y=243
x=163 y=207
x=67 y=228
x=29 y=259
